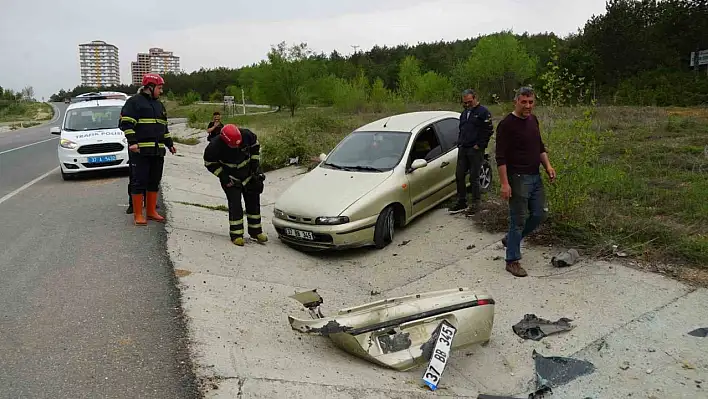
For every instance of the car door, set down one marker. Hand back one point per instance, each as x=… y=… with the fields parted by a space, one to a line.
x=448 y=130
x=427 y=185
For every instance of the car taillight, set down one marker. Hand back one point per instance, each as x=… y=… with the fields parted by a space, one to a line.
x=481 y=302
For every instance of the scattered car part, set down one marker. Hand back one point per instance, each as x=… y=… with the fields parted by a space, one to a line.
x=554 y=371
x=535 y=328
x=566 y=258
x=699 y=332
x=400 y=332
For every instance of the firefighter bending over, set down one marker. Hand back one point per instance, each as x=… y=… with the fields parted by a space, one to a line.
x=235 y=160
x=144 y=122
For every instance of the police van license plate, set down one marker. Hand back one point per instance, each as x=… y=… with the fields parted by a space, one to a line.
x=306 y=235
x=440 y=356
x=106 y=158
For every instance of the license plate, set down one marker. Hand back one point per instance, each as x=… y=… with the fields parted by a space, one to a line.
x=299 y=234
x=440 y=356
x=105 y=158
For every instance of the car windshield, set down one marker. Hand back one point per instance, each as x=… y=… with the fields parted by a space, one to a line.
x=369 y=151
x=93 y=118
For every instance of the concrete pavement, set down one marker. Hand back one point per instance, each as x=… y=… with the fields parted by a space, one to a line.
x=89 y=303
x=236 y=301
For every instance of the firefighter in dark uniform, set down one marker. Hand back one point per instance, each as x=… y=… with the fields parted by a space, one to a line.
x=144 y=123
x=130 y=178
x=235 y=159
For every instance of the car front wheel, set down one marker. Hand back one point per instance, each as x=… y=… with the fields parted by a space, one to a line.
x=385 y=227
x=485 y=176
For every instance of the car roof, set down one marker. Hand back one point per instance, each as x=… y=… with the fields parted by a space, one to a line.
x=407 y=122
x=96 y=103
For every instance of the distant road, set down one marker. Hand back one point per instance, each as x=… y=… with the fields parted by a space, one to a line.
x=88 y=302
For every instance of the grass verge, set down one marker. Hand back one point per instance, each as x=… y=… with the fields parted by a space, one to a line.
x=201 y=114
x=222 y=208
x=632 y=177
x=25 y=112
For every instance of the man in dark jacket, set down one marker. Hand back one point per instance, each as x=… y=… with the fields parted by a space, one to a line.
x=234 y=158
x=214 y=127
x=144 y=123
x=475 y=131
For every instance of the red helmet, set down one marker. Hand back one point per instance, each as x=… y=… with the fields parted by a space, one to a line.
x=153 y=78
x=231 y=135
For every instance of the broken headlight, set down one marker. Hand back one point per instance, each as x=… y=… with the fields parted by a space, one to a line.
x=332 y=220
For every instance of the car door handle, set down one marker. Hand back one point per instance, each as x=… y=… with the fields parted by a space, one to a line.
x=444 y=164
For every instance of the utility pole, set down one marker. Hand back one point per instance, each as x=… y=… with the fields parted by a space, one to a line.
x=243 y=101
x=355 y=48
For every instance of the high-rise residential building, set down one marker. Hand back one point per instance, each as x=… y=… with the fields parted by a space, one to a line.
x=99 y=64
x=156 y=60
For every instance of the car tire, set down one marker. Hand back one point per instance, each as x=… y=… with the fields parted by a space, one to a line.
x=385 y=227
x=485 y=176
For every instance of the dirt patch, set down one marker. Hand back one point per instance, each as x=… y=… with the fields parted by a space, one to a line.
x=182 y=273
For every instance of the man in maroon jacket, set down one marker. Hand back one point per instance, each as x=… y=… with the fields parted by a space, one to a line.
x=519 y=153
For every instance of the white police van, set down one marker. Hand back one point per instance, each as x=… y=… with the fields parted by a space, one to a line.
x=89 y=135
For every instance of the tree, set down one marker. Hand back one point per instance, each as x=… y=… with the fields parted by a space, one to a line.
x=283 y=79
x=497 y=65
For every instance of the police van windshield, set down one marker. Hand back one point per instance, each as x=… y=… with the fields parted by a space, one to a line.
x=94 y=118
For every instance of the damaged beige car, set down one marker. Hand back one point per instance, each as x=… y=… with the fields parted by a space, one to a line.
x=401 y=332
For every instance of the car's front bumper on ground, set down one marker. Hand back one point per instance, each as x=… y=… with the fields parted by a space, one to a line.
x=71 y=161
x=348 y=235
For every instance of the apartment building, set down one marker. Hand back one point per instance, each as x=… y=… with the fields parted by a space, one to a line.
x=155 y=60
x=99 y=64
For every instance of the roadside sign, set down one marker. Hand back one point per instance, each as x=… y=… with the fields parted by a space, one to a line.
x=228 y=99
x=702 y=57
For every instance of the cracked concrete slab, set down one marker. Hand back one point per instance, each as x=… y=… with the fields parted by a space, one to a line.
x=237 y=303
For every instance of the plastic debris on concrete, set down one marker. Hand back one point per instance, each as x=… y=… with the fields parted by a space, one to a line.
x=535 y=328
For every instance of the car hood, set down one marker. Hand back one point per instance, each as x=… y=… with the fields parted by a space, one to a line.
x=327 y=192
x=95 y=136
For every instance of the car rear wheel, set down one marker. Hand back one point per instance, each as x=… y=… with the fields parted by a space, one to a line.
x=485 y=176
x=385 y=227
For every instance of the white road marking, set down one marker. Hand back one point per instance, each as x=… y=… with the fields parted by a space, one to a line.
x=28 y=145
x=26 y=186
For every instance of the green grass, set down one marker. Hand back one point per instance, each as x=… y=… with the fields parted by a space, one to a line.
x=202 y=114
x=25 y=112
x=222 y=208
x=632 y=177
x=635 y=177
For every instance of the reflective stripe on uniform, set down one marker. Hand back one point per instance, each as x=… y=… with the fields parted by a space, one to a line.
x=236 y=224
x=236 y=166
x=152 y=120
x=129 y=131
x=127 y=119
x=219 y=170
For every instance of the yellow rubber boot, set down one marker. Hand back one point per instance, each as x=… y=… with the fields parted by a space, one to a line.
x=262 y=238
x=238 y=241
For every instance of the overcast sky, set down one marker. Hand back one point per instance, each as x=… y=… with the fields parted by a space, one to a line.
x=39 y=39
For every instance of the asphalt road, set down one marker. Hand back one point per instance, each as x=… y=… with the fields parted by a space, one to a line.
x=88 y=302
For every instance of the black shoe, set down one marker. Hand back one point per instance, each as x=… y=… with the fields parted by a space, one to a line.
x=129 y=211
x=457 y=208
x=504 y=241
x=472 y=210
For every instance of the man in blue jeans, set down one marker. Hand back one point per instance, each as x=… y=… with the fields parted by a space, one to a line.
x=519 y=153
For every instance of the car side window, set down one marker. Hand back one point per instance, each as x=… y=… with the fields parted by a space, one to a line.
x=426 y=145
x=449 y=130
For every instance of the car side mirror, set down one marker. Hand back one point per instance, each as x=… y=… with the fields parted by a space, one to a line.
x=419 y=163
x=323 y=157
x=55 y=130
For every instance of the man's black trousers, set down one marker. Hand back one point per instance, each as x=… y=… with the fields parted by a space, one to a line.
x=145 y=172
x=469 y=161
x=253 y=211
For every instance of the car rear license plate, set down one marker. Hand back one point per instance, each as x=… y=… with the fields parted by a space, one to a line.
x=306 y=235
x=105 y=158
x=440 y=356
